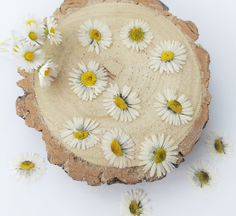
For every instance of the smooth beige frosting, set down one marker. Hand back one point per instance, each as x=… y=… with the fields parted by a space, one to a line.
x=58 y=103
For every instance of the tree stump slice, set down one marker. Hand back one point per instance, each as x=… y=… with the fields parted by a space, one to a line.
x=90 y=167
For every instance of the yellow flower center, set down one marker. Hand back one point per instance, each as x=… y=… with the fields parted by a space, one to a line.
x=88 y=78
x=219 y=146
x=203 y=177
x=120 y=102
x=95 y=35
x=136 y=34
x=29 y=56
x=175 y=106
x=52 y=30
x=47 y=72
x=116 y=148
x=159 y=155
x=135 y=208
x=80 y=134
x=33 y=36
x=27 y=165
x=30 y=22
x=167 y=56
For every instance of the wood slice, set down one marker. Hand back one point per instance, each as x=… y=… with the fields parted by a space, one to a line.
x=47 y=109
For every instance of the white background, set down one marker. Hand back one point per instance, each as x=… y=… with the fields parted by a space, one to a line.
x=57 y=195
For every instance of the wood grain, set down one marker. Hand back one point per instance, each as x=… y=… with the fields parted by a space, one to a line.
x=79 y=169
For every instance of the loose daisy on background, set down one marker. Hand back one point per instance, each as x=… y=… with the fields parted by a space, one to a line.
x=158 y=155
x=136 y=203
x=51 y=31
x=15 y=44
x=122 y=104
x=136 y=35
x=95 y=35
x=80 y=133
x=88 y=81
x=118 y=148
x=173 y=108
x=29 y=167
x=34 y=33
x=30 y=57
x=31 y=20
x=201 y=175
x=47 y=73
x=218 y=146
x=168 y=57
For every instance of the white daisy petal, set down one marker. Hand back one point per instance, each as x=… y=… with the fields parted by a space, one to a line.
x=136 y=35
x=136 y=202
x=202 y=175
x=121 y=104
x=31 y=20
x=80 y=133
x=118 y=148
x=51 y=31
x=174 y=109
x=29 y=167
x=95 y=35
x=47 y=73
x=218 y=145
x=34 y=33
x=158 y=155
x=168 y=57
x=30 y=56
x=88 y=81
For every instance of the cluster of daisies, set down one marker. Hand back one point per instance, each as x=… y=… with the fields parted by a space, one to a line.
x=136 y=201
x=89 y=80
x=158 y=154
x=27 y=48
x=167 y=56
x=203 y=175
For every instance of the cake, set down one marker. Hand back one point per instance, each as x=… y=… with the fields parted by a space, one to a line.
x=138 y=92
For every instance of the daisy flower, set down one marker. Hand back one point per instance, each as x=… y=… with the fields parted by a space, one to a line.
x=51 y=31
x=15 y=42
x=122 y=104
x=118 y=148
x=173 y=108
x=158 y=155
x=218 y=145
x=136 y=203
x=80 y=133
x=29 y=167
x=201 y=175
x=96 y=35
x=168 y=57
x=31 y=20
x=31 y=57
x=88 y=81
x=35 y=34
x=47 y=73
x=136 y=35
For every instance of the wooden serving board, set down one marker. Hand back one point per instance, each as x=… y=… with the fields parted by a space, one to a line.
x=40 y=108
